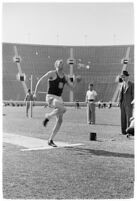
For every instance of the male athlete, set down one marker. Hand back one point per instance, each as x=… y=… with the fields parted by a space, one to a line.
x=56 y=81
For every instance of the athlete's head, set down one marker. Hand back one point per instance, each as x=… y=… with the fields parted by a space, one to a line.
x=58 y=64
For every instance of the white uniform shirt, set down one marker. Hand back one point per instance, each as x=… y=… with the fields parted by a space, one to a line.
x=91 y=95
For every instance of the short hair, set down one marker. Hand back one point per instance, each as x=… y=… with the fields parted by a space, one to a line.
x=91 y=84
x=57 y=62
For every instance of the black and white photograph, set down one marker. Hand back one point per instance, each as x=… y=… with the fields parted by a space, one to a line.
x=68 y=100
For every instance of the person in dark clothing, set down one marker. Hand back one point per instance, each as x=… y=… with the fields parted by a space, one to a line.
x=56 y=81
x=126 y=96
x=131 y=129
x=28 y=99
x=77 y=105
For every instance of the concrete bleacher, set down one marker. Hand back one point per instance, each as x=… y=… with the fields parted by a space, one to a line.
x=104 y=61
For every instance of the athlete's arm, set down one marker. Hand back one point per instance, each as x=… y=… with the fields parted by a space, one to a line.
x=46 y=76
x=69 y=83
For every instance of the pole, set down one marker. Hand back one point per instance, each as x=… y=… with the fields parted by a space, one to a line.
x=116 y=93
x=71 y=75
x=19 y=69
x=31 y=89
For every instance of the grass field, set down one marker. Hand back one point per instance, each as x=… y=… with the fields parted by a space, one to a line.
x=101 y=169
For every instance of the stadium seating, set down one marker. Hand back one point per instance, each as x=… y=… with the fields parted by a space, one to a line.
x=104 y=64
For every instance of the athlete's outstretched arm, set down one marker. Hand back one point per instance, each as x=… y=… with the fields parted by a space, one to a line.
x=76 y=80
x=69 y=83
x=45 y=76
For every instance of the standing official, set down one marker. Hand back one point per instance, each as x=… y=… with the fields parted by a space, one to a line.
x=126 y=97
x=90 y=100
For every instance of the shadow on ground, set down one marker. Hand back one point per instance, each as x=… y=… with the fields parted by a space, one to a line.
x=83 y=151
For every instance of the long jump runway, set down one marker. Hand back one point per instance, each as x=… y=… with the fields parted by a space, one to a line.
x=32 y=144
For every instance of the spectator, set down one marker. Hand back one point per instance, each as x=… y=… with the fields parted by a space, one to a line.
x=109 y=104
x=77 y=105
x=131 y=129
x=99 y=104
x=104 y=105
x=28 y=98
x=126 y=96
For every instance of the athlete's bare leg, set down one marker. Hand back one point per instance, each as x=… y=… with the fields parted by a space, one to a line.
x=58 y=124
x=56 y=112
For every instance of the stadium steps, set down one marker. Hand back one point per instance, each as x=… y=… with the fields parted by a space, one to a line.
x=105 y=65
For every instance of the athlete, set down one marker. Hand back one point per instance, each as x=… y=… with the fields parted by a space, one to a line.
x=56 y=81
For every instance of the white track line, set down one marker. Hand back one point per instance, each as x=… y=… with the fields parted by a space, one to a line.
x=33 y=144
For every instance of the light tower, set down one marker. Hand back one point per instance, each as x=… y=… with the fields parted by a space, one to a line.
x=71 y=62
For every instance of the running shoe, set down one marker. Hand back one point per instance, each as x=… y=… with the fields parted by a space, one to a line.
x=51 y=143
